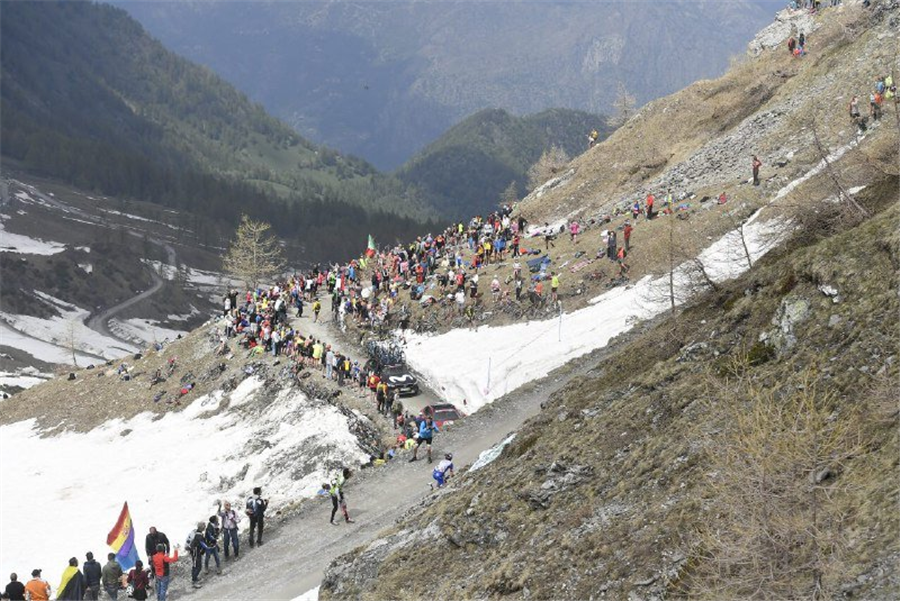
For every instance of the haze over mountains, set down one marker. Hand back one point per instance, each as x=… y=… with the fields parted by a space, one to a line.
x=383 y=79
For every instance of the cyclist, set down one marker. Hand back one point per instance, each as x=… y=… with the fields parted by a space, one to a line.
x=440 y=472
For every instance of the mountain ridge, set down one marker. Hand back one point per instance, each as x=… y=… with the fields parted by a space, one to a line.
x=385 y=80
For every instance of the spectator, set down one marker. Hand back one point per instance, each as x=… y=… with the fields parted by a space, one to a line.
x=112 y=576
x=256 y=511
x=15 y=590
x=230 y=519
x=37 y=588
x=92 y=575
x=211 y=538
x=72 y=585
x=160 y=566
x=139 y=580
x=154 y=539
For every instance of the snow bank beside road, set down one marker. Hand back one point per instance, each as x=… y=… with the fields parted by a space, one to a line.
x=169 y=470
x=479 y=366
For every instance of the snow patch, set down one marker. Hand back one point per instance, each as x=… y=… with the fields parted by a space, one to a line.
x=287 y=446
x=479 y=366
x=142 y=330
x=310 y=595
x=487 y=456
x=24 y=245
x=33 y=334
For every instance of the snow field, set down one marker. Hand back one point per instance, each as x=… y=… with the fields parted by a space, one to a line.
x=471 y=368
x=65 y=492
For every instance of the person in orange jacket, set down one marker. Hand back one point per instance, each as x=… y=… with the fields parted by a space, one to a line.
x=37 y=589
x=160 y=562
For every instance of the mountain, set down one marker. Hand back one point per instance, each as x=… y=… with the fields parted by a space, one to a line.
x=728 y=429
x=88 y=96
x=469 y=166
x=383 y=79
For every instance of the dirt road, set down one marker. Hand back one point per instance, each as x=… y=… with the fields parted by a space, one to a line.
x=293 y=559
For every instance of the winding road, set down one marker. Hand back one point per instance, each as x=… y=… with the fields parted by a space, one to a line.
x=99 y=322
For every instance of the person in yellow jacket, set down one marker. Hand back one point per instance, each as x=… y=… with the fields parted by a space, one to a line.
x=554 y=287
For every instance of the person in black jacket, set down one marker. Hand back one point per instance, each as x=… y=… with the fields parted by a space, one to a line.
x=15 y=590
x=156 y=538
x=198 y=549
x=256 y=510
x=211 y=538
x=91 y=571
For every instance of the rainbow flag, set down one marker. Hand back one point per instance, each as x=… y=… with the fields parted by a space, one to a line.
x=121 y=540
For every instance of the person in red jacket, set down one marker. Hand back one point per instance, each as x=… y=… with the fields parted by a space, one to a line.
x=627 y=232
x=160 y=562
x=650 y=200
x=139 y=581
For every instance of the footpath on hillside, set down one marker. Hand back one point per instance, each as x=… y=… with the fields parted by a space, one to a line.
x=295 y=555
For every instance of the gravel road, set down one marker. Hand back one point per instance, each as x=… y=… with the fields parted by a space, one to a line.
x=298 y=550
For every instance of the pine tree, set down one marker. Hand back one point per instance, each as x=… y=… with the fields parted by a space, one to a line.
x=254 y=256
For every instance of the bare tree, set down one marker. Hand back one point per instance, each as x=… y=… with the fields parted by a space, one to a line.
x=624 y=107
x=551 y=162
x=510 y=194
x=72 y=329
x=254 y=256
x=773 y=484
x=842 y=193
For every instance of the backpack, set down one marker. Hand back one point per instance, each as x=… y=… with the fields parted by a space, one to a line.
x=190 y=539
x=251 y=511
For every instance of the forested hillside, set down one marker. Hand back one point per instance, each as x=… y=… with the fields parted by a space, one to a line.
x=466 y=170
x=90 y=98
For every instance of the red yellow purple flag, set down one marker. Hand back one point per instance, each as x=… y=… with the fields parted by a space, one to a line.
x=121 y=540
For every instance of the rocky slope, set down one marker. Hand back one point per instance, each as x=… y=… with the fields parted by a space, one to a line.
x=746 y=445
x=642 y=480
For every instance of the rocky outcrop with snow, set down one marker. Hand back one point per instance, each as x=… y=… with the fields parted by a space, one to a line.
x=787 y=22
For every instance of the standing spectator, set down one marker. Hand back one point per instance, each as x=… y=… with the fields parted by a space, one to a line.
x=554 y=286
x=611 y=245
x=211 y=538
x=197 y=549
x=626 y=231
x=72 y=585
x=92 y=574
x=757 y=163
x=426 y=434
x=650 y=200
x=256 y=511
x=230 y=519
x=112 y=576
x=139 y=581
x=154 y=539
x=160 y=563
x=37 y=588
x=574 y=229
x=15 y=590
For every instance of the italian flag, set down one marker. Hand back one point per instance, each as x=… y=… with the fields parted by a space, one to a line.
x=370 y=249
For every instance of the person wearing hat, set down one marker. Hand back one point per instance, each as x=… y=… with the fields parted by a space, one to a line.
x=15 y=590
x=37 y=588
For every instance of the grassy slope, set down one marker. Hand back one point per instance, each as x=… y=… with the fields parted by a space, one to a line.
x=468 y=167
x=669 y=130
x=638 y=425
